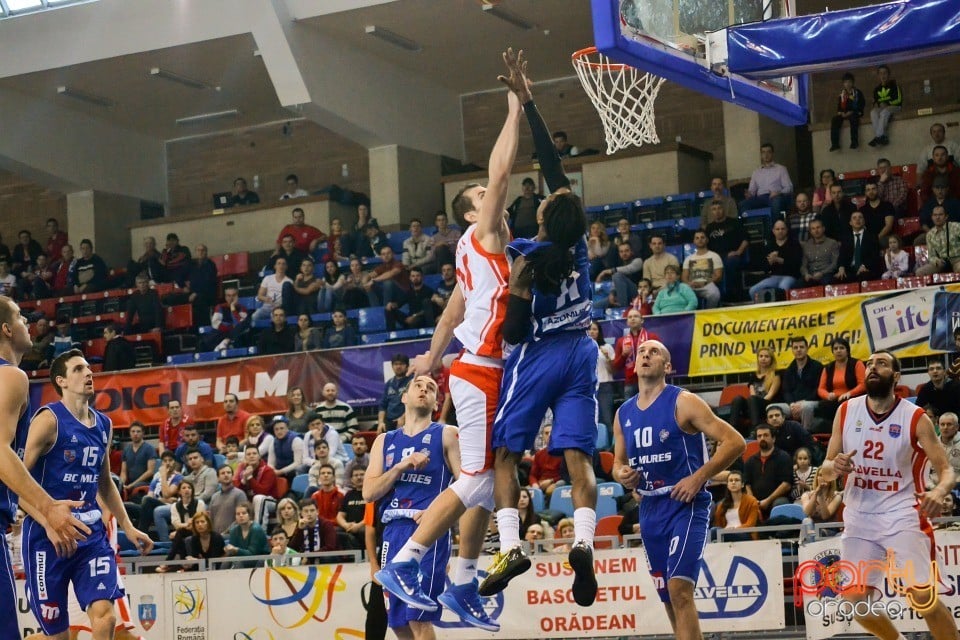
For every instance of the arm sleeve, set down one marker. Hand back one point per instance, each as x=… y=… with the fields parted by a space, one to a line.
x=550 y=165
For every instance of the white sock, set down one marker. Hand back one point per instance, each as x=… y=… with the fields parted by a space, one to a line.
x=464 y=570
x=508 y=523
x=410 y=551
x=584 y=524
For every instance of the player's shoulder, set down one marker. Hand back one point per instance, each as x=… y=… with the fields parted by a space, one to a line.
x=12 y=376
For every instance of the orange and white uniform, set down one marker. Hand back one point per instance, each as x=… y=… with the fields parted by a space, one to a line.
x=475 y=376
x=881 y=510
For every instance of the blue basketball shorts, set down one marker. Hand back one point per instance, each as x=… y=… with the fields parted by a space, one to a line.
x=558 y=372
x=92 y=570
x=433 y=572
x=9 y=630
x=674 y=535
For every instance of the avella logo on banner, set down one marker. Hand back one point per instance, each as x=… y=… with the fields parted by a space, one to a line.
x=740 y=592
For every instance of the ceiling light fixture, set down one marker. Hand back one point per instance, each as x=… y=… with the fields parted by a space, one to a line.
x=508 y=16
x=204 y=117
x=392 y=38
x=83 y=96
x=157 y=72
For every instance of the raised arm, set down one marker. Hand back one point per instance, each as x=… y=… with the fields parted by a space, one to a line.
x=451 y=449
x=427 y=363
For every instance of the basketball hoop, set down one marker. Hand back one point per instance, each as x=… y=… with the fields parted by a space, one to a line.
x=623 y=97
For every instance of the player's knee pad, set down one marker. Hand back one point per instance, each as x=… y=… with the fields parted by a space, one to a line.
x=475 y=490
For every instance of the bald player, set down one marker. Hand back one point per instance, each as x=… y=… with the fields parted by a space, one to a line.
x=661 y=450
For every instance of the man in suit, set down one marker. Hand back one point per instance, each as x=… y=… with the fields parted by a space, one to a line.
x=859 y=252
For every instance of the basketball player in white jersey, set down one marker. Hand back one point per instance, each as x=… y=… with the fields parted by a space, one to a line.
x=883 y=444
x=475 y=314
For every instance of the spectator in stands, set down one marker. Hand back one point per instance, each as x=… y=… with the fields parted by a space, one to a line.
x=289 y=252
x=951 y=442
x=233 y=421
x=204 y=543
x=391 y=405
x=334 y=244
x=941 y=166
x=144 y=311
x=335 y=454
x=417 y=299
x=8 y=281
x=246 y=537
x=171 y=431
x=445 y=289
x=654 y=267
x=327 y=497
x=231 y=452
x=42 y=344
x=139 y=460
x=783 y=256
x=444 y=239
x=305 y=286
x=800 y=217
x=938 y=135
x=192 y=440
x=352 y=241
x=148 y=263
x=564 y=148
x=281 y=555
x=939 y=391
x=279 y=337
x=719 y=190
x=943 y=245
x=768 y=474
x=879 y=216
x=202 y=475
x=353 y=294
x=606 y=357
x=340 y=333
x=276 y=291
x=258 y=480
x=229 y=320
x=625 y=274
x=62 y=340
x=361 y=457
x=56 y=240
x=523 y=210
x=626 y=350
x=163 y=491
x=842 y=379
x=675 y=296
x=850 y=105
x=801 y=379
x=288 y=517
x=350 y=514
x=545 y=468
x=175 y=260
x=372 y=242
x=822 y=195
x=331 y=286
x=598 y=246
x=822 y=502
x=38 y=282
x=737 y=510
x=307 y=337
x=418 y=248
x=241 y=196
x=821 y=255
x=803 y=472
x=293 y=188
x=316 y=534
x=703 y=271
x=200 y=287
x=118 y=354
x=892 y=188
x=770 y=185
x=764 y=389
x=836 y=215
x=63 y=272
x=859 y=252
x=728 y=239
x=941 y=198
x=788 y=435
x=25 y=254
x=390 y=280
x=337 y=413
x=257 y=435
x=887 y=100
x=285 y=454
x=896 y=261
x=89 y=273
x=623 y=236
x=298 y=413
x=225 y=500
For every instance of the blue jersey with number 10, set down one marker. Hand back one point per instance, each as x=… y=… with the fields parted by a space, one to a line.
x=8 y=499
x=571 y=309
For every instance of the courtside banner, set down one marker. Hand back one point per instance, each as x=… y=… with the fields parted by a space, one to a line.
x=726 y=340
x=741 y=589
x=261 y=383
x=828 y=615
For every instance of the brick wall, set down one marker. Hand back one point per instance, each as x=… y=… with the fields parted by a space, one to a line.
x=25 y=205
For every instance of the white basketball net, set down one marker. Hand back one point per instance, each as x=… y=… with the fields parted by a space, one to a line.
x=623 y=96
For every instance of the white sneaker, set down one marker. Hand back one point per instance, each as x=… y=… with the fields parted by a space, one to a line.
x=224 y=344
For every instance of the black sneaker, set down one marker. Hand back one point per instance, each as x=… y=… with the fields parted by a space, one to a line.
x=834 y=147
x=505 y=567
x=584 y=581
x=854 y=145
x=874 y=142
x=884 y=140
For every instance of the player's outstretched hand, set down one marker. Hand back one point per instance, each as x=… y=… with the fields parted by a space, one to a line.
x=517 y=80
x=931 y=502
x=63 y=528
x=139 y=539
x=421 y=365
x=843 y=463
x=628 y=477
x=686 y=490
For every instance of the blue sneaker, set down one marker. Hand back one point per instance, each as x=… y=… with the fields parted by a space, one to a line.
x=402 y=579
x=464 y=600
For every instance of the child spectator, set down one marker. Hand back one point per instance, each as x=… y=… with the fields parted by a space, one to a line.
x=803 y=473
x=281 y=555
x=896 y=260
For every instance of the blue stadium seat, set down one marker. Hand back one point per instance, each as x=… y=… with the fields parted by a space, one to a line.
x=300 y=484
x=404 y=334
x=374 y=338
x=561 y=500
x=321 y=317
x=536 y=499
x=433 y=280
x=395 y=240
x=603 y=437
x=610 y=489
x=426 y=331
x=180 y=358
x=237 y=352
x=206 y=356
x=794 y=511
x=219 y=460
x=372 y=320
x=677 y=251
x=606 y=506
x=205 y=330
x=250 y=302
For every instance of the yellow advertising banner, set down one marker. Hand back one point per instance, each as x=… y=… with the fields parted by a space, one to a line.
x=726 y=340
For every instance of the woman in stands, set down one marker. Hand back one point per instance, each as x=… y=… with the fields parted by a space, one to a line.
x=842 y=379
x=598 y=244
x=298 y=413
x=737 y=510
x=257 y=435
x=306 y=285
x=528 y=517
x=564 y=531
x=181 y=517
x=307 y=337
x=822 y=197
x=822 y=502
x=764 y=389
x=205 y=543
x=353 y=295
x=332 y=283
x=334 y=244
x=604 y=376
x=288 y=517
x=246 y=537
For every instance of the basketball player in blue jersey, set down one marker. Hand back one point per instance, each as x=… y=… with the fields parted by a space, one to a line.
x=553 y=366
x=409 y=467
x=67 y=451
x=661 y=451
x=62 y=528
